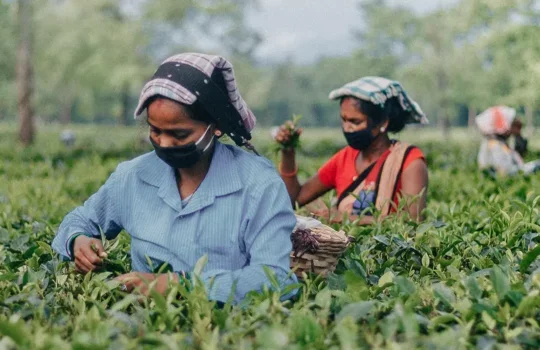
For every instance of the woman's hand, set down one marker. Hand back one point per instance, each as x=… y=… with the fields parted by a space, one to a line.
x=287 y=138
x=288 y=135
x=88 y=253
x=140 y=281
x=322 y=212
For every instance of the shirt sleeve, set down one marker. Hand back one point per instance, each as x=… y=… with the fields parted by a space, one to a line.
x=327 y=173
x=268 y=243
x=98 y=214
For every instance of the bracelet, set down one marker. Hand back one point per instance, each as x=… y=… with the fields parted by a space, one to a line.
x=288 y=174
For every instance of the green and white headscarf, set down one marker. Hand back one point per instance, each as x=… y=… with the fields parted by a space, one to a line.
x=378 y=90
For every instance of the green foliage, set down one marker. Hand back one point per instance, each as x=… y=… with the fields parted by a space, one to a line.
x=91 y=58
x=467 y=277
x=471 y=54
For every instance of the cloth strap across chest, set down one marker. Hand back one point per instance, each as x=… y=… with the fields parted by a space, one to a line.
x=391 y=168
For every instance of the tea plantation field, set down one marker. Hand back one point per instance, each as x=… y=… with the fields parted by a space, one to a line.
x=466 y=278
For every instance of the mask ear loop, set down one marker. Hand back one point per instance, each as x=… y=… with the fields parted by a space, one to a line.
x=202 y=138
x=209 y=144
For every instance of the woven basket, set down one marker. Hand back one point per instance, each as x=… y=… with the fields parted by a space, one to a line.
x=321 y=254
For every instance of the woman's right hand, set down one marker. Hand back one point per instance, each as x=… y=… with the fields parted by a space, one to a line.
x=88 y=253
x=288 y=134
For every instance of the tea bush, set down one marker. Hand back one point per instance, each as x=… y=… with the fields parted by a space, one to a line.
x=467 y=277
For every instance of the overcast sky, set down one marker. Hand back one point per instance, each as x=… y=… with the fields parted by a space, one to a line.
x=305 y=30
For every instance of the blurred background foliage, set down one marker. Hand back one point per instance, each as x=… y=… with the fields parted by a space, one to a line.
x=91 y=58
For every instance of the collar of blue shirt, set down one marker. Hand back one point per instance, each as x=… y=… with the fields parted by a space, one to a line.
x=222 y=179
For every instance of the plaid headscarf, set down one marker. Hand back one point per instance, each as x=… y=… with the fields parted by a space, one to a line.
x=207 y=64
x=495 y=120
x=377 y=90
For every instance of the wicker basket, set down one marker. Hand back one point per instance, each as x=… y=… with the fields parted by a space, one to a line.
x=317 y=249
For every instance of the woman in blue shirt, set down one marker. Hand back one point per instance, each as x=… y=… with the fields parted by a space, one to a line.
x=192 y=196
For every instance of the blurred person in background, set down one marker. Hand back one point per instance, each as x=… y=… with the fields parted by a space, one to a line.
x=68 y=138
x=193 y=196
x=373 y=171
x=497 y=124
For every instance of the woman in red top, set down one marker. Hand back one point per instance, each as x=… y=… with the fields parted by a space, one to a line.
x=373 y=170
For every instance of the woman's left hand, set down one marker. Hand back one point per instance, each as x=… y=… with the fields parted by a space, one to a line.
x=140 y=281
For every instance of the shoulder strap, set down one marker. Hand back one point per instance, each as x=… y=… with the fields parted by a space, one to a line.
x=356 y=182
x=389 y=176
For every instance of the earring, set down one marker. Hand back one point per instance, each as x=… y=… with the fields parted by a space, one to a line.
x=383 y=129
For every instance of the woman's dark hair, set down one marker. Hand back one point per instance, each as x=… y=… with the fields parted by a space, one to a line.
x=377 y=115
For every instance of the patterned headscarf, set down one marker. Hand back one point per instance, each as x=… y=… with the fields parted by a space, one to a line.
x=496 y=120
x=377 y=90
x=214 y=67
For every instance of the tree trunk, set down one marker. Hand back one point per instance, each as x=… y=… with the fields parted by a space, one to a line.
x=445 y=124
x=472 y=115
x=529 y=116
x=65 y=112
x=25 y=74
x=123 y=117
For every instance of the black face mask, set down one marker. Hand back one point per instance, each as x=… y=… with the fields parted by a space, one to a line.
x=180 y=157
x=361 y=139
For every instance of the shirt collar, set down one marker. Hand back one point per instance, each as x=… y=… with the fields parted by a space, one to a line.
x=222 y=178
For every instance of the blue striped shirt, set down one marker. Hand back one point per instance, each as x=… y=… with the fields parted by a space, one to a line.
x=240 y=217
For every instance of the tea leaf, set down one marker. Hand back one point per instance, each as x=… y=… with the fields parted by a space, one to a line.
x=528 y=259
x=356 y=311
x=500 y=282
x=15 y=331
x=385 y=279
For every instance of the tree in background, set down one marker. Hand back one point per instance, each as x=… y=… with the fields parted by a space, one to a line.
x=8 y=58
x=458 y=56
x=25 y=72
x=515 y=56
x=92 y=57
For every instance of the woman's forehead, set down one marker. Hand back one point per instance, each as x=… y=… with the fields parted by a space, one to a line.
x=349 y=108
x=163 y=112
x=166 y=105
